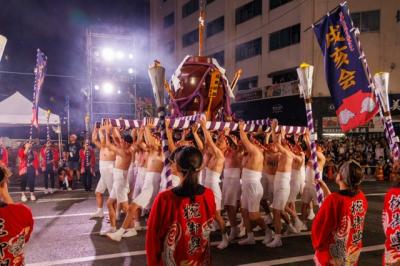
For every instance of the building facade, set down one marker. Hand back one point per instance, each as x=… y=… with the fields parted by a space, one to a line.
x=268 y=39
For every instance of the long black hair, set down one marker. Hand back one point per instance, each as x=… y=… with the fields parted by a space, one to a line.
x=189 y=160
x=352 y=175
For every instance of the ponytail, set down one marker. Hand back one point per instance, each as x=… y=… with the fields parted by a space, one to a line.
x=189 y=160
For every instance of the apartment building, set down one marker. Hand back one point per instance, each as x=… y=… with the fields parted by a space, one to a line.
x=268 y=39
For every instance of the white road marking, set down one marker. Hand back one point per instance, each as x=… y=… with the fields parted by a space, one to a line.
x=63 y=215
x=258 y=238
x=143 y=252
x=62 y=199
x=303 y=258
x=89 y=258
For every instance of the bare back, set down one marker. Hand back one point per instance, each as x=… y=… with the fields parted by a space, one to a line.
x=254 y=160
x=216 y=162
x=233 y=159
x=270 y=163
x=285 y=162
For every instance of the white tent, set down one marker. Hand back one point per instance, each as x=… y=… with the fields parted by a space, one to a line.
x=16 y=110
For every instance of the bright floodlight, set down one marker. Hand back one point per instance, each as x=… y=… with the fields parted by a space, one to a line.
x=130 y=56
x=120 y=55
x=131 y=70
x=108 y=87
x=119 y=91
x=108 y=54
x=96 y=87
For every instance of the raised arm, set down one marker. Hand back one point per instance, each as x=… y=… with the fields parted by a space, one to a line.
x=197 y=138
x=148 y=137
x=250 y=147
x=208 y=139
x=170 y=137
x=140 y=143
x=95 y=138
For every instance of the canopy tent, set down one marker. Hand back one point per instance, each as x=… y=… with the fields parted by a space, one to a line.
x=16 y=110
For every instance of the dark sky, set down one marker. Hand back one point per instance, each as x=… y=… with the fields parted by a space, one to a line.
x=58 y=28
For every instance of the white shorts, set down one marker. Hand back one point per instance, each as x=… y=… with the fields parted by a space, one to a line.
x=231 y=187
x=212 y=180
x=141 y=172
x=106 y=176
x=309 y=192
x=150 y=190
x=267 y=182
x=252 y=190
x=281 y=190
x=120 y=187
x=132 y=173
x=296 y=184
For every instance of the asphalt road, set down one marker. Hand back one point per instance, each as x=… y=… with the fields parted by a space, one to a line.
x=64 y=234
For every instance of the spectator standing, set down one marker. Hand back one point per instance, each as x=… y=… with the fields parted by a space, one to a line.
x=73 y=149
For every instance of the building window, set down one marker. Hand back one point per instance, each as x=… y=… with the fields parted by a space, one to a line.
x=248 y=49
x=170 y=47
x=190 y=7
x=284 y=38
x=190 y=38
x=282 y=76
x=248 y=11
x=277 y=3
x=169 y=20
x=248 y=83
x=215 y=26
x=368 y=21
x=219 y=56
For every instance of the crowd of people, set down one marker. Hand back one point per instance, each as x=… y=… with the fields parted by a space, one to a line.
x=185 y=199
x=372 y=153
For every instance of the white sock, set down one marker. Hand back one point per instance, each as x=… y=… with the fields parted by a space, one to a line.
x=99 y=209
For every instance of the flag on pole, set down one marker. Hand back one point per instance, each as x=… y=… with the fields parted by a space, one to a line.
x=40 y=71
x=348 y=83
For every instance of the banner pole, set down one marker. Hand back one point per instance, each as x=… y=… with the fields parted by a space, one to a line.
x=305 y=73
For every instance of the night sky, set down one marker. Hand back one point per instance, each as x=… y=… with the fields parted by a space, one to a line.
x=58 y=28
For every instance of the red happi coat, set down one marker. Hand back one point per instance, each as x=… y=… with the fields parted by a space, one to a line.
x=4 y=156
x=92 y=160
x=23 y=161
x=178 y=229
x=337 y=229
x=16 y=224
x=56 y=157
x=391 y=226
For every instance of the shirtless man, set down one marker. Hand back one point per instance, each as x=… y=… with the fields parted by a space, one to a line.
x=267 y=180
x=281 y=183
x=252 y=190
x=106 y=166
x=213 y=170
x=141 y=156
x=297 y=179
x=132 y=172
x=231 y=187
x=120 y=189
x=309 y=193
x=150 y=188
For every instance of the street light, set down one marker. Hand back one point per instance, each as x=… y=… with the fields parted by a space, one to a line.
x=108 y=54
x=96 y=87
x=108 y=87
